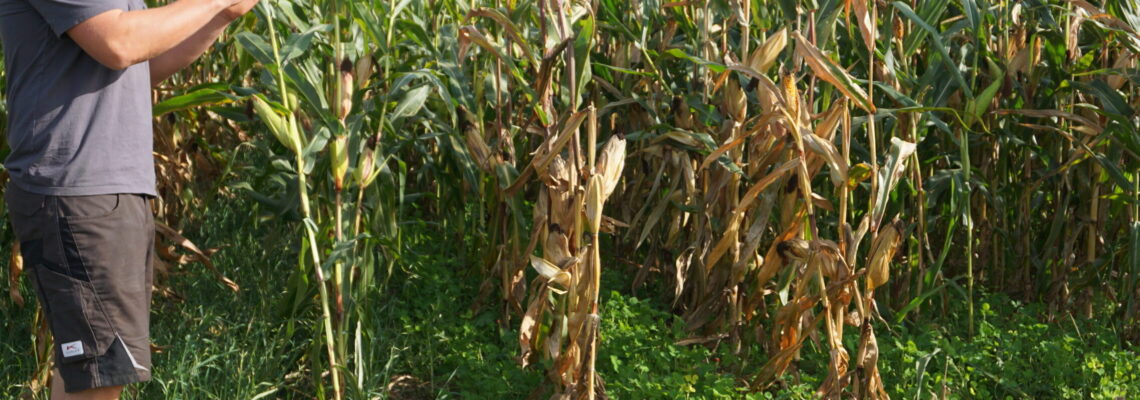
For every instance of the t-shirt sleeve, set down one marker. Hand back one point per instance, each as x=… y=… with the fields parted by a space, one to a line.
x=62 y=15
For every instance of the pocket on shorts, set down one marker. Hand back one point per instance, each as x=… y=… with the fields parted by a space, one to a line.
x=79 y=326
x=108 y=245
x=75 y=208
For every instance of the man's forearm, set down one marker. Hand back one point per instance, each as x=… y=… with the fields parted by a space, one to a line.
x=177 y=58
x=120 y=39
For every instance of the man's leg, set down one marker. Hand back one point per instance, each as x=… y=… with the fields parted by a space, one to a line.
x=103 y=393
x=90 y=260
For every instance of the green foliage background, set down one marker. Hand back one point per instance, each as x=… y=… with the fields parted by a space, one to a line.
x=1025 y=182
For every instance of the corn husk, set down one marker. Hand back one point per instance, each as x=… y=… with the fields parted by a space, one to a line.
x=363 y=70
x=347 y=88
x=735 y=102
x=473 y=136
x=339 y=159
x=550 y=271
x=594 y=203
x=278 y=125
x=882 y=252
x=480 y=153
x=365 y=172
x=611 y=162
x=765 y=55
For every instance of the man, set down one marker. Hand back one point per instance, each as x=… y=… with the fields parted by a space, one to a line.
x=82 y=171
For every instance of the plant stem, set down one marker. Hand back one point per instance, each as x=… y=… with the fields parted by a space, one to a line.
x=969 y=221
x=306 y=211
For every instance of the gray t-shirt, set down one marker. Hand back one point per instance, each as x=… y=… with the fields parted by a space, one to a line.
x=75 y=126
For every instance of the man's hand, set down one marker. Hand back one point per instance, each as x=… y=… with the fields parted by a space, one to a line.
x=239 y=8
x=177 y=58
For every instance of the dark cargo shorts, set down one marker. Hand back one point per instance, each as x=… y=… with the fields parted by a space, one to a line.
x=89 y=259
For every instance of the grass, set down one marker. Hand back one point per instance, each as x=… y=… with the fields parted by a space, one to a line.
x=1016 y=353
x=223 y=345
x=428 y=339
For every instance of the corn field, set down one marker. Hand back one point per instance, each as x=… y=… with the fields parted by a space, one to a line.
x=785 y=170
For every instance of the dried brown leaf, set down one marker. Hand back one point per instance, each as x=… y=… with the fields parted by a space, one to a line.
x=529 y=327
x=198 y=255
x=865 y=21
x=1124 y=60
x=825 y=69
x=15 y=269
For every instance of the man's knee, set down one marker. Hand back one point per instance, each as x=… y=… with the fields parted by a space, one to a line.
x=103 y=393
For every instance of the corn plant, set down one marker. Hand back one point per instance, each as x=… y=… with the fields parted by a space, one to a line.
x=325 y=106
x=746 y=184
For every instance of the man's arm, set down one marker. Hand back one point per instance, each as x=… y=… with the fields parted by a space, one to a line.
x=174 y=60
x=119 y=39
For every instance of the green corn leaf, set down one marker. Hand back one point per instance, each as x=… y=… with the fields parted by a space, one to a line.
x=938 y=45
x=712 y=66
x=412 y=102
x=257 y=47
x=204 y=95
